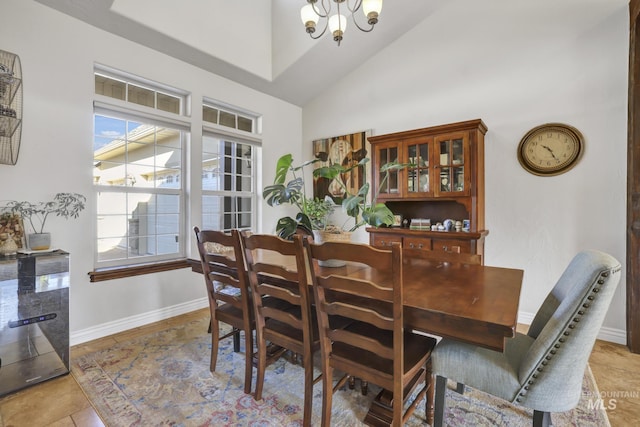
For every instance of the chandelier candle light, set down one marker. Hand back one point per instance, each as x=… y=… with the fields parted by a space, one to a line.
x=337 y=23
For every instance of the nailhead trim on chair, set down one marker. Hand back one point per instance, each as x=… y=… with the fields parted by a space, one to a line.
x=531 y=380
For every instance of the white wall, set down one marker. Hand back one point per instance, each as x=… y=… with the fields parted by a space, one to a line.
x=515 y=65
x=58 y=54
x=211 y=30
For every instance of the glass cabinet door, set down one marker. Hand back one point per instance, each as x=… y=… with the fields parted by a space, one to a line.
x=452 y=159
x=388 y=180
x=418 y=171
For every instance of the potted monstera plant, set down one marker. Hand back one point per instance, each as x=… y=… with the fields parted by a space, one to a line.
x=66 y=205
x=357 y=205
x=288 y=188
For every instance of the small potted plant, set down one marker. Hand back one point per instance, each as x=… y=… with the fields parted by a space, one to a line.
x=319 y=212
x=66 y=205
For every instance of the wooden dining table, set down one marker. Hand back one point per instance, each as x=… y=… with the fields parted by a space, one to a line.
x=475 y=304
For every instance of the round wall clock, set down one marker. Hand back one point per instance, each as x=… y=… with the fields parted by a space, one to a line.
x=550 y=149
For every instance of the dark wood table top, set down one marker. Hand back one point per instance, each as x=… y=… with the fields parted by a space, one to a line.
x=472 y=303
x=476 y=304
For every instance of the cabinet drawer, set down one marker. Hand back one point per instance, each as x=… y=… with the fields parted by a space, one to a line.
x=417 y=243
x=384 y=240
x=451 y=245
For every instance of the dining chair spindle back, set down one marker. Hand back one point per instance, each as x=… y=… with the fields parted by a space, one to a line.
x=228 y=293
x=291 y=324
x=387 y=355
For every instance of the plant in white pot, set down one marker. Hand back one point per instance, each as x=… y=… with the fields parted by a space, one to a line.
x=356 y=205
x=319 y=213
x=314 y=214
x=66 y=205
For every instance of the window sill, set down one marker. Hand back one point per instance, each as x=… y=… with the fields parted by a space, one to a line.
x=103 y=274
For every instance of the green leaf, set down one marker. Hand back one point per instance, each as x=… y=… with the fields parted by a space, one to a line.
x=282 y=168
x=378 y=215
x=286 y=227
x=352 y=205
x=304 y=221
x=278 y=194
x=329 y=172
x=273 y=194
x=393 y=166
x=292 y=190
x=364 y=190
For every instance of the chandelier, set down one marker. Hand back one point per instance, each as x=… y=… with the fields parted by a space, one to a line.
x=337 y=23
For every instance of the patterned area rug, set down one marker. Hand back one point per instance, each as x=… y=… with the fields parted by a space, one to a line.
x=163 y=379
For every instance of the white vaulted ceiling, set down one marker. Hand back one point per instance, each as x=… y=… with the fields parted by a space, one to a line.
x=257 y=43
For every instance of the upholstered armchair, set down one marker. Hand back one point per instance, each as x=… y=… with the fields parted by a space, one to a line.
x=544 y=369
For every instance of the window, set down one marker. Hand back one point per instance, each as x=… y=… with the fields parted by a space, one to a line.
x=138 y=148
x=228 y=190
x=228 y=172
x=226 y=116
x=135 y=92
x=140 y=206
x=141 y=134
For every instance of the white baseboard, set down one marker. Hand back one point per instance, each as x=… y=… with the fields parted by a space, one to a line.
x=525 y=318
x=120 y=325
x=617 y=336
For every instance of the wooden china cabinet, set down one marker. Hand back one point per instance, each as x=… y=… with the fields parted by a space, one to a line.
x=444 y=182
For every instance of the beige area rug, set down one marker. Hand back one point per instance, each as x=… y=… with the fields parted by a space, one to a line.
x=163 y=379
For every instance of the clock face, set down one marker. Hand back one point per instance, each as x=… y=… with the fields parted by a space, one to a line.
x=550 y=149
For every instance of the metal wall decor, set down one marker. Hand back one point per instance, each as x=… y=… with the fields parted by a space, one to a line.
x=10 y=107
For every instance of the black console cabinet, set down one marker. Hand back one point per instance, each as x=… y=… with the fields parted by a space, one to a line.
x=34 y=318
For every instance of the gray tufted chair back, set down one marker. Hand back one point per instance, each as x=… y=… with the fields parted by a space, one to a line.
x=565 y=329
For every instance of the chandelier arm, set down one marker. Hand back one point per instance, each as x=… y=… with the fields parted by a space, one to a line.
x=324 y=30
x=324 y=8
x=360 y=28
x=355 y=8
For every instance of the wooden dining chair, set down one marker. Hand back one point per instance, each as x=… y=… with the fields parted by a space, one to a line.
x=375 y=346
x=228 y=292
x=291 y=325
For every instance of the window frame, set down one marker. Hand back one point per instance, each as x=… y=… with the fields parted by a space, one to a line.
x=256 y=119
x=126 y=190
x=190 y=191
x=130 y=111
x=209 y=132
x=131 y=80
